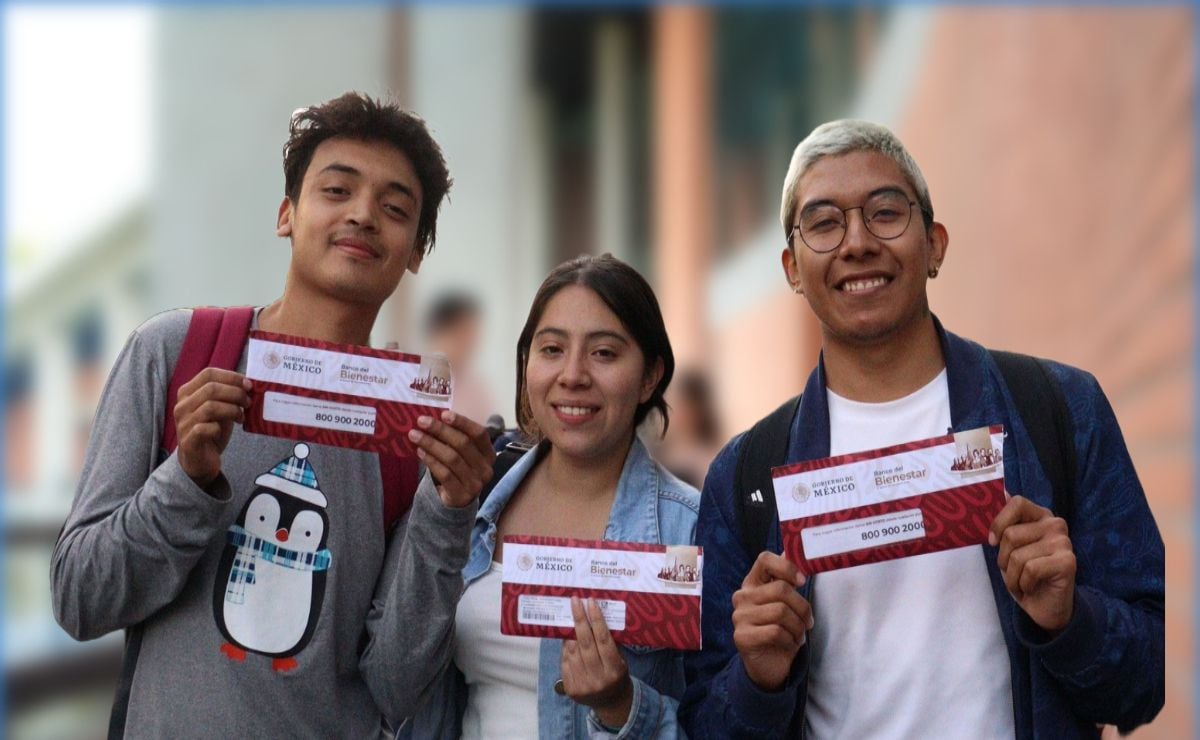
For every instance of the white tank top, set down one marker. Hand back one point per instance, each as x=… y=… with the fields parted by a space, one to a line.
x=501 y=670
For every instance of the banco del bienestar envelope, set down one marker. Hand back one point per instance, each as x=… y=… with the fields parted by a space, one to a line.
x=909 y=499
x=649 y=594
x=342 y=394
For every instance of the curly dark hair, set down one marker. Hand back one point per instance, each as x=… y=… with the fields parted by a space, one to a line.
x=358 y=116
x=630 y=297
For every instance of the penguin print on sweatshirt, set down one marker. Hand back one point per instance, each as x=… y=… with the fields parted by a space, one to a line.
x=271 y=578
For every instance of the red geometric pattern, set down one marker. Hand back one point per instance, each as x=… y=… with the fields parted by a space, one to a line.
x=653 y=620
x=957 y=517
x=663 y=620
x=393 y=420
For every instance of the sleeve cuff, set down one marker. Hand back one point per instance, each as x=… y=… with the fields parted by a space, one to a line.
x=430 y=504
x=192 y=507
x=1079 y=643
x=443 y=532
x=597 y=730
x=645 y=716
x=756 y=708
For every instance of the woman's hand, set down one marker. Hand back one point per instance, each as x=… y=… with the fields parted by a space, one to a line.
x=593 y=671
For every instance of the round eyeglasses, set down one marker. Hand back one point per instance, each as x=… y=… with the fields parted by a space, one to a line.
x=822 y=226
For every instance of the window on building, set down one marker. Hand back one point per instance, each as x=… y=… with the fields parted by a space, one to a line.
x=778 y=73
x=590 y=71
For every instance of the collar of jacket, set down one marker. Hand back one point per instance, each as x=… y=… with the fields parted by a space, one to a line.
x=967 y=375
x=634 y=513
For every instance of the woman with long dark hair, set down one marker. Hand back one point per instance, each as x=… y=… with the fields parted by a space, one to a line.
x=593 y=360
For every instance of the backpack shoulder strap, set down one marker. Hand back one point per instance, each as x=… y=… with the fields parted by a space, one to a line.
x=765 y=446
x=215 y=338
x=231 y=339
x=1043 y=409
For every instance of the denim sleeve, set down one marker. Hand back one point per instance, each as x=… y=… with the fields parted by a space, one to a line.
x=1109 y=660
x=653 y=716
x=720 y=700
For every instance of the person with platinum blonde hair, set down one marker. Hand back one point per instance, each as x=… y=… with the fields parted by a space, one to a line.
x=1052 y=628
x=850 y=135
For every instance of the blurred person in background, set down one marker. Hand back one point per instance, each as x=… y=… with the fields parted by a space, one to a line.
x=1049 y=630
x=694 y=437
x=593 y=361
x=174 y=546
x=452 y=327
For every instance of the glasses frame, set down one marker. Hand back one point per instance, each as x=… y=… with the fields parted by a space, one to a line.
x=846 y=227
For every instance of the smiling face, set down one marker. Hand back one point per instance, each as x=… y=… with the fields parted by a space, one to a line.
x=868 y=290
x=585 y=377
x=354 y=225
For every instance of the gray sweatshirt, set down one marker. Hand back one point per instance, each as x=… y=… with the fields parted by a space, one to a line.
x=247 y=630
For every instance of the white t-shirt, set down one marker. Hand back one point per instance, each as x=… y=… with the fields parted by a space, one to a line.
x=910 y=647
x=501 y=670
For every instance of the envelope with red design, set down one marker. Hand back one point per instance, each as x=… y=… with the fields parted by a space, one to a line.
x=649 y=594
x=909 y=499
x=342 y=394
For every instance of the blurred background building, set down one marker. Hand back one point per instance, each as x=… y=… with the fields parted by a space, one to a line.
x=1058 y=145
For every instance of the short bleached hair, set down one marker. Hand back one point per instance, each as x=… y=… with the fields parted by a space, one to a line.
x=843 y=137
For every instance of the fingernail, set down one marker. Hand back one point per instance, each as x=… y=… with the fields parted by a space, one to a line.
x=415 y=435
x=246 y=384
x=992 y=539
x=420 y=453
x=424 y=421
x=448 y=417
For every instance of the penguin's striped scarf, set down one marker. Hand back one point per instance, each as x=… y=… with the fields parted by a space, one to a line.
x=250 y=548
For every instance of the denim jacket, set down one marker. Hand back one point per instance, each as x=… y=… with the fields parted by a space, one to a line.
x=1105 y=667
x=650 y=506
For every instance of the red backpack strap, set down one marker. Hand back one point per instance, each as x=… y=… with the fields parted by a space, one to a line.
x=215 y=338
x=399 y=476
x=231 y=341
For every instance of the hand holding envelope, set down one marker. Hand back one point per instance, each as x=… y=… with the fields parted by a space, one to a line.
x=208 y=406
x=1037 y=561
x=367 y=399
x=593 y=672
x=771 y=620
x=457 y=452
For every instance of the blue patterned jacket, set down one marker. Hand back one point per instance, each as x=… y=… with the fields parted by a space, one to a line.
x=1105 y=667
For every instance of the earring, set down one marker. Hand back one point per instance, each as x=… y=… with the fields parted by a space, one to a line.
x=797 y=289
x=933 y=272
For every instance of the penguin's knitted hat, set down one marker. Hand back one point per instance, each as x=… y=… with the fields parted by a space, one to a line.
x=295 y=477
